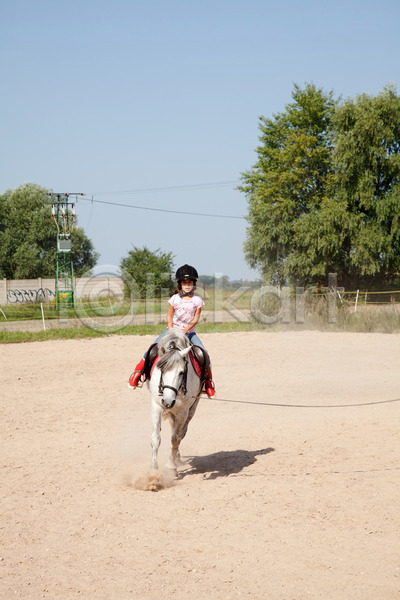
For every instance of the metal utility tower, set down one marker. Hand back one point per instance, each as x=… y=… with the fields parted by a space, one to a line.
x=63 y=212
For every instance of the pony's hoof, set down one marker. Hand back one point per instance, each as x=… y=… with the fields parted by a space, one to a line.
x=172 y=468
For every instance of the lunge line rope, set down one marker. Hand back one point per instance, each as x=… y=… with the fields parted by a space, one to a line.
x=304 y=405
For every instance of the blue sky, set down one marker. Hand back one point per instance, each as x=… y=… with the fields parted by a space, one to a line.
x=125 y=99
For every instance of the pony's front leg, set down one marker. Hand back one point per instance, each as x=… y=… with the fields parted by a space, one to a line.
x=176 y=438
x=156 y=416
x=179 y=433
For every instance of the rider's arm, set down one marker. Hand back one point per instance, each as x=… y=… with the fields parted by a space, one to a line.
x=170 y=314
x=194 y=321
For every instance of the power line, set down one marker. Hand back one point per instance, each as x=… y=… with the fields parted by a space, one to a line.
x=173 y=188
x=180 y=212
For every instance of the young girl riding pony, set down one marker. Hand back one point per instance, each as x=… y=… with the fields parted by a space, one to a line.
x=183 y=313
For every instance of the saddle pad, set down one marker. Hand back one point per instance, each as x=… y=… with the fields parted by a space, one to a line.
x=195 y=363
x=153 y=365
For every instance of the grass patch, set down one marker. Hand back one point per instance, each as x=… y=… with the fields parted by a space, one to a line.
x=371 y=320
x=68 y=333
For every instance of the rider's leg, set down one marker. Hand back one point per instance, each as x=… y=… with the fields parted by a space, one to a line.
x=138 y=372
x=208 y=383
x=136 y=375
x=195 y=340
x=160 y=336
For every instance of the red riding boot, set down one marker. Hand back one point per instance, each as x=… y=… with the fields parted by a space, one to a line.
x=209 y=384
x=136 y=375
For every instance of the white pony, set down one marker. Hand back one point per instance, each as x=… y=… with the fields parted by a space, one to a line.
x=175 y=392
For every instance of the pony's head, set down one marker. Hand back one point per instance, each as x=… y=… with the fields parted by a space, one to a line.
x=173 y=349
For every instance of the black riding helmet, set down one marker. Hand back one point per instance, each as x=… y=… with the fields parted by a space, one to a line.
x=186 y=272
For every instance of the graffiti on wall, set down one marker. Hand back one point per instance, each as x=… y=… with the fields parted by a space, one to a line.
x=22 y=296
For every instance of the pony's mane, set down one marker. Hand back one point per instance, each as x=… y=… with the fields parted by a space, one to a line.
x=172 y=341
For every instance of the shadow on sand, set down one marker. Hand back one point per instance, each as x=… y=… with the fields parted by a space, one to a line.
x=221 y=464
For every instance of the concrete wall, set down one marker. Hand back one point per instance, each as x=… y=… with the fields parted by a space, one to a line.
x=19 y=291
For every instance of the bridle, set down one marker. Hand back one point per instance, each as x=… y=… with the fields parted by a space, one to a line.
x=182 y=388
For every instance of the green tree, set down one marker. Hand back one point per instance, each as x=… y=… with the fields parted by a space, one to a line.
x=288 y=186
x=150 y=271
x=367 y=162
x=324 y=195
x=28 y=236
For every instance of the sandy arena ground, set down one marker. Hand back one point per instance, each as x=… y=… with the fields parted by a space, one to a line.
x=276 y=501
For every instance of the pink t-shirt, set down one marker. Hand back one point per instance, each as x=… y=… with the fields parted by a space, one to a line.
x=184 y=310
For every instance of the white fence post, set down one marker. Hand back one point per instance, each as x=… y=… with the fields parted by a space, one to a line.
x=355 y=306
